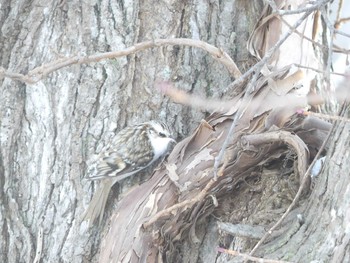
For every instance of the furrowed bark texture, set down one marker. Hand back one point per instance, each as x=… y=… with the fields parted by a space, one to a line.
x=174 y=217
x=50 y=130
x=324 y=235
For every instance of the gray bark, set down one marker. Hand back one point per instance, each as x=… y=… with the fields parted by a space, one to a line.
x=51 y=131
x=323 y=236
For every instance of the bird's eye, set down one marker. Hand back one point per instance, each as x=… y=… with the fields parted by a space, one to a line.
x=161 y=134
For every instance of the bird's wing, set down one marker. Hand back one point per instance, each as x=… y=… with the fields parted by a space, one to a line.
x=112 y=164
x=125 y=155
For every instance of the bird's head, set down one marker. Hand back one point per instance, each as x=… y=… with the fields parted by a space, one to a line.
x=159 y=137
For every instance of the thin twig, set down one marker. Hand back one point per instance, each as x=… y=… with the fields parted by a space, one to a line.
x=180 y=96
x=250 y=88
x=302 y=35
x=326 y=116
x=341 y=33
x=338 y=49
x=321 y=71
x=341 y=21
x=340 y=6
x=309 y=9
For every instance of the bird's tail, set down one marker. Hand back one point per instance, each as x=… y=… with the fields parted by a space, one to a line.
x=98 y=202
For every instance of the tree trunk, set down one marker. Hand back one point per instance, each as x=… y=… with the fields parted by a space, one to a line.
x=323 y=235
x=51 y=129
x=54 y=125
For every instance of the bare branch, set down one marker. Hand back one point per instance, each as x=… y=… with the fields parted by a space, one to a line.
x=180 y=96
x=39 y=73
x=326 y=116
x=341 y=33
x=309 y=9
x=321 y=71
x=340 y=6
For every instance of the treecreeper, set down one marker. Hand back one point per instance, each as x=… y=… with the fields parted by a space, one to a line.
x=131 y=150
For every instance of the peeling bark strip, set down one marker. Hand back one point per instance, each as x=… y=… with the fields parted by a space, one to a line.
x=167 y=215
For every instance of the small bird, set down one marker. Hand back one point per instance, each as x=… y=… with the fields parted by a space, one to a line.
x=130 y=151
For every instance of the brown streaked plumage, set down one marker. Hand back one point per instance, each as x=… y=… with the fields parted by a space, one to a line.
x=131 y=150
